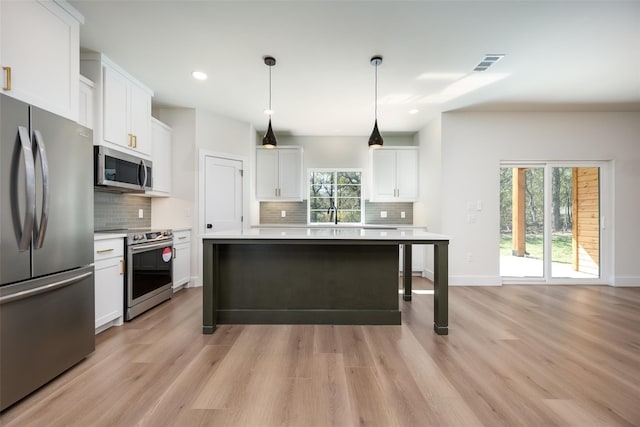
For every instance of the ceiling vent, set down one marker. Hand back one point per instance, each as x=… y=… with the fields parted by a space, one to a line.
x=488 y=61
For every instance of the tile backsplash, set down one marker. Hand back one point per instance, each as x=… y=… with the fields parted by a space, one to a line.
x=116 y=210
x=296 y=213
x=271 y=212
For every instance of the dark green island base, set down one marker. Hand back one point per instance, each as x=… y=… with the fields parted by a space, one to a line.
x=311 y=281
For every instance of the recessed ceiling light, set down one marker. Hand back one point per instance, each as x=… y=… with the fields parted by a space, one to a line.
x=199 y=75
x=414 y=111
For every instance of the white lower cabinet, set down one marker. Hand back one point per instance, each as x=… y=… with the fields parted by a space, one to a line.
x=181 y=258
x=109 y=283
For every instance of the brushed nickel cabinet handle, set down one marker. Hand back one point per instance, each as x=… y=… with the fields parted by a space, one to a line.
x=135 y=141
x=7 y=75
x=104 y=251
x=122 y=267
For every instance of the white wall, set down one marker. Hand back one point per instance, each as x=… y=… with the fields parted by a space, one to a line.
x=179 y=209
x=473 y=144
x=192 y=131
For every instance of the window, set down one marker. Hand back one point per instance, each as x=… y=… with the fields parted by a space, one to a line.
x=333 y=190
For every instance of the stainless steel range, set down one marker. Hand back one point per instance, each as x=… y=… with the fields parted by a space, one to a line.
x=149 y=266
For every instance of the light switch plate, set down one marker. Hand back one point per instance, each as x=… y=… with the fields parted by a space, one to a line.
x=283 y=214
x=383 y=214
x=140 y=213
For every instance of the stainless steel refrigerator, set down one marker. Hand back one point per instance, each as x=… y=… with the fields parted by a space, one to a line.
x=46 y=247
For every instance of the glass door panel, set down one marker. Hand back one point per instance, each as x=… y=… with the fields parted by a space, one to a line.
x=522 y=213
x=575 y=225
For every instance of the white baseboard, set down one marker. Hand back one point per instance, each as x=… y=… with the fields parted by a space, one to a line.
x=467 y=280
x=195 y=282
x=475 y=281
x=627 y=281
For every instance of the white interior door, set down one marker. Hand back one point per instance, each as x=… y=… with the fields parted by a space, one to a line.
x=223 y=194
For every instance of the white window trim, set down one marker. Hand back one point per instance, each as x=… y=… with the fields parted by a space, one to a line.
x=335 y=170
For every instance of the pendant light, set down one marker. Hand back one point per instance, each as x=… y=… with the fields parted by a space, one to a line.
x=375 y=140
x=269 y=139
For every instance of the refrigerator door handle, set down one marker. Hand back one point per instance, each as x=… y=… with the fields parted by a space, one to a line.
x=30 y=181
x=45 y=288
x=44 y=218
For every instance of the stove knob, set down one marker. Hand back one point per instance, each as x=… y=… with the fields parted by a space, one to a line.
x=138 y=237
x=167 y=233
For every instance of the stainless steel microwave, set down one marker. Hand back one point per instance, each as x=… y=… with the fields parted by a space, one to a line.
x=118 y=171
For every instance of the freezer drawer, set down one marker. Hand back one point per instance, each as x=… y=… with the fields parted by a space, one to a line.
x=46 y=327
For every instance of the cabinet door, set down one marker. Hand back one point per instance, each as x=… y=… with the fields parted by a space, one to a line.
x=182 y=264
x=140 y=104
x=85 y=104
x=115 y=108
x=109 y=290
x=290 y=174
x=266 y=174
x=407 y=175
x=39 y=41
x=161 y=142
x=383 y=174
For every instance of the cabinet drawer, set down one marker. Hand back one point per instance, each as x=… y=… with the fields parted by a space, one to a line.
x=182 y=236
x=109 y=248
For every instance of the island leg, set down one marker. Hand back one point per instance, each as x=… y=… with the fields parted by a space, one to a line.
x=209 y=283
x=441 y=288
x=406 y=275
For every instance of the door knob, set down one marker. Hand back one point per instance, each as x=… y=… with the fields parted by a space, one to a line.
x=209 y=225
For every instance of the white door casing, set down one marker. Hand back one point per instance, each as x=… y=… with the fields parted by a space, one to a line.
x=223 y=194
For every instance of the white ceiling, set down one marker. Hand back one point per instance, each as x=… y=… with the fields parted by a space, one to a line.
x=560 y=56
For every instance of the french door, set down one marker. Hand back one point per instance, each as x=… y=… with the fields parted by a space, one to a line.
x=551 y=222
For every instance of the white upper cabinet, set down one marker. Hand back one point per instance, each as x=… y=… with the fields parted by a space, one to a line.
x=85 y=104
x=123 y=106
x=394 y=174
x=161 y=142
x=279 y=174
x=39 y=54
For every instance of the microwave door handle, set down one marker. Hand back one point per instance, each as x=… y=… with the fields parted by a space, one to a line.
x=30 y=191
x=140 y=167
x=44 y=218
x=144 y=168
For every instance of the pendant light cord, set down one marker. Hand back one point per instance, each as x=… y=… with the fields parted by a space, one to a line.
x=270 y=112
x=376 y=95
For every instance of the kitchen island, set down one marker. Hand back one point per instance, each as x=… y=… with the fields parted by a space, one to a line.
x=315 y=276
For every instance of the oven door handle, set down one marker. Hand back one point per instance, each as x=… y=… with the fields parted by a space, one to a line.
x=141 y=248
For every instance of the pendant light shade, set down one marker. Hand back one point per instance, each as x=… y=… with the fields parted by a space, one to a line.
x=375 y=140
x=269 y=139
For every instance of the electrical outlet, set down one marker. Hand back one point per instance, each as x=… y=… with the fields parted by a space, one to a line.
x=402 y=215
x=383 y=214
x=140 y=213
x=469 y=257
x=283 y=214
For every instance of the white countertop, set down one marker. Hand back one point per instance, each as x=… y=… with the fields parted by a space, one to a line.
x=105 y=236
x=324 y=233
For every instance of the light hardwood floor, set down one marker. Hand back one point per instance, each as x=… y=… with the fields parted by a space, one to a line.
x=514 y=356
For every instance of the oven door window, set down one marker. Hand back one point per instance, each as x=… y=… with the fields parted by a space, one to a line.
x=152 y=270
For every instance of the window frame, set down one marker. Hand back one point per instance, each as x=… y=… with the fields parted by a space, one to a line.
x=335 y=171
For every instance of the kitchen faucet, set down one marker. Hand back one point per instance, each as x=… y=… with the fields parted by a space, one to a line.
x=333 y=208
